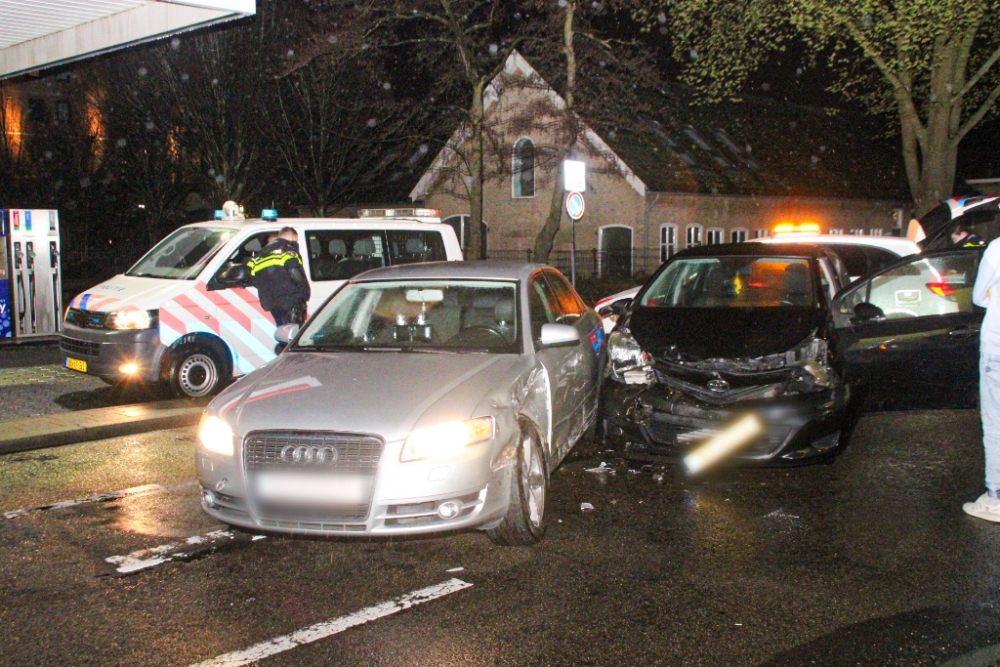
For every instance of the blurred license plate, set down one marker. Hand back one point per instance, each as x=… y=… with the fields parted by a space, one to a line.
x=76 y=364
x=312 y=489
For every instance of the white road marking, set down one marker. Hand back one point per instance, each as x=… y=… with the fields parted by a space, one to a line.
x=143 y=490
x=334 y=626
x=146 y=558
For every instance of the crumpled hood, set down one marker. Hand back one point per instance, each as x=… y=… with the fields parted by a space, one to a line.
x=124 y=291
x=384 y=393
x=723 y=333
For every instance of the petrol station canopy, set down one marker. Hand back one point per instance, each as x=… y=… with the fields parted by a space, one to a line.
x=42 y=33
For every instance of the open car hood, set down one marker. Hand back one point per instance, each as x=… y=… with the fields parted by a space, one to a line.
x=722 y=333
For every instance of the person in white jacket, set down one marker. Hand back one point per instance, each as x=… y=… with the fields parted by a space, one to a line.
x=986 y=293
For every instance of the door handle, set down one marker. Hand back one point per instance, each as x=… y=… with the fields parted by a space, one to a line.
x=963 y=332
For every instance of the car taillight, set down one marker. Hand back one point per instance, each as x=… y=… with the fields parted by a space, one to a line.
x=941 y=289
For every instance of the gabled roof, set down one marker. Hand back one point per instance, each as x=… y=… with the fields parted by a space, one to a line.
x=516 y=64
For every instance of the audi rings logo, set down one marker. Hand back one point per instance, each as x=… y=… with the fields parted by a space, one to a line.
x=307 y=455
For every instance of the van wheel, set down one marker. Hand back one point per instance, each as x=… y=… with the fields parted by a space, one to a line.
x=195 y=372
x=524 y=523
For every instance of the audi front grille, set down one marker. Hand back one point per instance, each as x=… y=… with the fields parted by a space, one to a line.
x=312 y=453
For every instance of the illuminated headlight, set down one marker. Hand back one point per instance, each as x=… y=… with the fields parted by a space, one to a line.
x=131 y=319
x=446 y=439
x=216 y=436
x=626 y=360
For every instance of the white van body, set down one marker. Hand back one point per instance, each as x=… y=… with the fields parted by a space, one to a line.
x=172 y=316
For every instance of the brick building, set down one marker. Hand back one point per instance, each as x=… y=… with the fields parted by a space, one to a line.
x=703 y=175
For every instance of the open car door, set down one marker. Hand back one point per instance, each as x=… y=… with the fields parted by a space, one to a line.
x=909 y=335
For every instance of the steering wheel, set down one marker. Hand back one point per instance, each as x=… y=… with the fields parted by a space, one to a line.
x=474 y=334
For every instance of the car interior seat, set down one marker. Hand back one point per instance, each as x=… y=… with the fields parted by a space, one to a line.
x=795 y=284
x=362 y=258
x=714 y=290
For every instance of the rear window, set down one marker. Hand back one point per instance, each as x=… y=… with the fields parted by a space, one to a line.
x=861 y=260
x=340 y=254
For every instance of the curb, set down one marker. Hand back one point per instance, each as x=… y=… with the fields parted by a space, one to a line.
x=68 y=428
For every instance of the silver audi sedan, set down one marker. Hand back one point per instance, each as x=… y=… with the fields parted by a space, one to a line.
x=419 y=398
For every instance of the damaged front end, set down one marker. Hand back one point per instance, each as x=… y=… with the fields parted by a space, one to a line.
x=662 y=403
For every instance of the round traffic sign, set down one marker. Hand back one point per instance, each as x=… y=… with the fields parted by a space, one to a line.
x=575 y=205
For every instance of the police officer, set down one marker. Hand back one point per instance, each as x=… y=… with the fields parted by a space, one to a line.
x=963 y=237
x=280 y=280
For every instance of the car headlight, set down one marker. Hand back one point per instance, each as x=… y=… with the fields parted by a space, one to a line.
x=216 y=435
x=446 y=439
x=626 y=360
x=132 y=319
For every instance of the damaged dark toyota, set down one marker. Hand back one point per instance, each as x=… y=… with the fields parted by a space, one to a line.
x=721 y=332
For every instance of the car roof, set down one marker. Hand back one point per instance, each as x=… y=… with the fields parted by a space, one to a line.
x=895 y=244
x=809 y=250
x=475 y=269
x=257 y=224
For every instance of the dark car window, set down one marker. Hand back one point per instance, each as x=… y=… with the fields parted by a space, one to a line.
x=983 y=221
x=412 y=247
x=339 y=254
x=568 y=303
x=542 y=307
x=854 y=257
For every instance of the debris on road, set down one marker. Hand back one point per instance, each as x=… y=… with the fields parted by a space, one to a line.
x=586 y=507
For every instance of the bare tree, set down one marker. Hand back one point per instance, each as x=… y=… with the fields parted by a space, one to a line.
x=459 y=45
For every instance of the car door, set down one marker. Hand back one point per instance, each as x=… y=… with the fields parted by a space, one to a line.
x=559 y=363
x=910 y=333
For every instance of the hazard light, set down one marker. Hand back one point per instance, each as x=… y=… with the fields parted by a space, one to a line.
x=399 y=213
x=793 y=228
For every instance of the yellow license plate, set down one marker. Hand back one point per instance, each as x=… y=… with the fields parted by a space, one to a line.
x=76 y=364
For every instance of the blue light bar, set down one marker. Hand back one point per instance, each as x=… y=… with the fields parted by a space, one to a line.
x=269 y=214
x=218 y=214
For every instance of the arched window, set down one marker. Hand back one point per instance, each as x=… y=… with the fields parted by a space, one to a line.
x=615 y=243
x=523 y=169
x=693 y=236
x=761 y=233
x=668 y=241
x=738 y=235
x=715 y=236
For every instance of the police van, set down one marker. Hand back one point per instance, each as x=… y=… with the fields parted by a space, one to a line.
x=186 y=315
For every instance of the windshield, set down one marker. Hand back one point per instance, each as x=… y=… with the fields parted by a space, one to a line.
x=732 y=282
x=183 y=254
x=413 y=316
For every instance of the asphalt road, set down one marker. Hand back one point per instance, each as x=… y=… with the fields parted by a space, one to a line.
x=868 y=561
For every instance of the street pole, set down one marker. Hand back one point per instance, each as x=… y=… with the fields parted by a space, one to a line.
x=572 y=257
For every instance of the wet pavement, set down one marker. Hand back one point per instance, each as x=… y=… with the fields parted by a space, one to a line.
x=868 y=561
x=34 y=382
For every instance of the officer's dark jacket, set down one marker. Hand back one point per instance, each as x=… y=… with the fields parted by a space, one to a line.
x=278 y=275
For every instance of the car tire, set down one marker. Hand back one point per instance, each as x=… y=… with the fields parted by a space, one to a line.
x=524 y=524
x=195 y=372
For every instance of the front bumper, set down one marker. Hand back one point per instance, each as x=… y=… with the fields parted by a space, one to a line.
x=106 y=351
x=405 y=500
x=654 y=423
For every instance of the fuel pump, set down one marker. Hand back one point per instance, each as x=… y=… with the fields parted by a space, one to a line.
x=6 y=311
x=20 y=295
x=29 y=262
x=35 y=285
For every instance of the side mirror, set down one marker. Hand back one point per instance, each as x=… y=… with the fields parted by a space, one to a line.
x=864 y=312
x=286 y=332
x=558 y=335
x=237 y=274
x=620 y=306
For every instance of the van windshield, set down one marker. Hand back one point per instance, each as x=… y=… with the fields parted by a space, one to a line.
x=183 y=254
